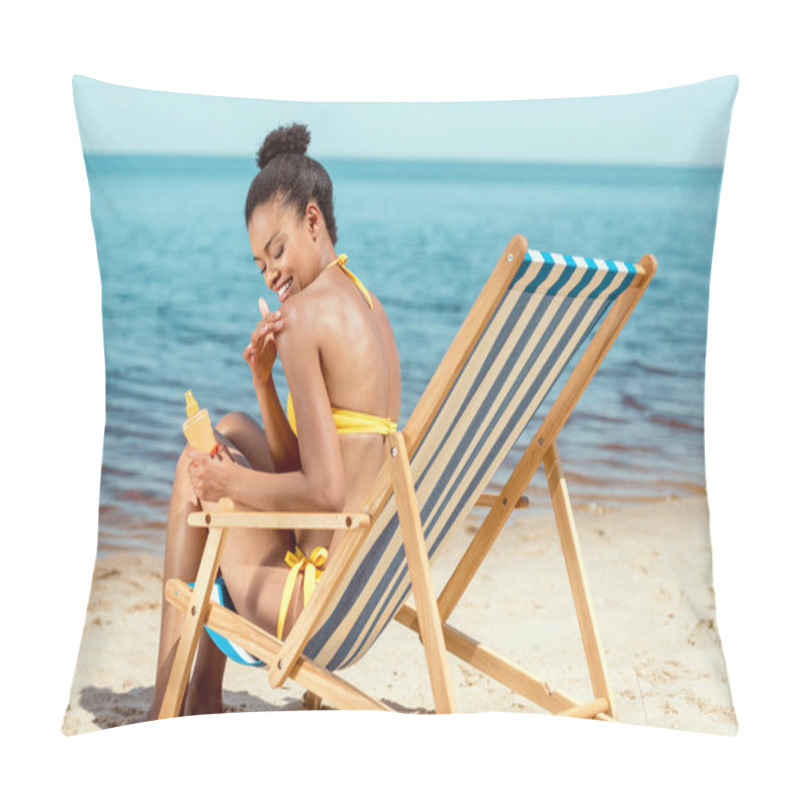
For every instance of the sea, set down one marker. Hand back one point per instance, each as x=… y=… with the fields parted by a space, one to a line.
x=180 y=298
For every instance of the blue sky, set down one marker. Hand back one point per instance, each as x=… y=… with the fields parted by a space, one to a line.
x=686 y=125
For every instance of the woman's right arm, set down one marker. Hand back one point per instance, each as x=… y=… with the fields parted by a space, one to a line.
x=260 y=354
x=280 y=438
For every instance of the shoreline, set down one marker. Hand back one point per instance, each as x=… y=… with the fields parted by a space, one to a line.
x=659 y=633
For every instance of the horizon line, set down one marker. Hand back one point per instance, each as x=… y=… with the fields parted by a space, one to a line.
x=410 y=160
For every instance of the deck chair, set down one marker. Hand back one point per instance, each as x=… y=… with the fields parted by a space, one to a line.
x=535 y=312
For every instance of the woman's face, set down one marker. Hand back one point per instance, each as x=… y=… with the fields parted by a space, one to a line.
x=285 y=246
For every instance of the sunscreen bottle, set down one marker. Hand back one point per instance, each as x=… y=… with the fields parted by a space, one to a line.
x=197 y=428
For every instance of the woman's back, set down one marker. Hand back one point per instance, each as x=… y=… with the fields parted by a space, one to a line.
x=359 y=363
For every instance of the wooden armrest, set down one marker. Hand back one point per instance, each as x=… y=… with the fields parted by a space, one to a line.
x=491 y=499
x=280 y=520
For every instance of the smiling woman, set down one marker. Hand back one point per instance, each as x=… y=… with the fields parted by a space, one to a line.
x=338 y=352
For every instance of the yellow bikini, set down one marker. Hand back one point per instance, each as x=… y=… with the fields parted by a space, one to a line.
x=349 y=421
x=311 y=567
x=346 y=422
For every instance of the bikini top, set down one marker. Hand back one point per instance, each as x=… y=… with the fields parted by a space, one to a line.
x=347 y=421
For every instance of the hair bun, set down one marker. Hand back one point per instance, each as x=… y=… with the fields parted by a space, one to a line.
x=286 y=139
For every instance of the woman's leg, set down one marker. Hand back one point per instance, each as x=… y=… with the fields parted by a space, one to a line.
x=184 y=549
x=248 y=444
x=182 y=554
x=257 y=591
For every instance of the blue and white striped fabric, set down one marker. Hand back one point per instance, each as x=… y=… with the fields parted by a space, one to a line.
x=219 y=594
x=553 y=303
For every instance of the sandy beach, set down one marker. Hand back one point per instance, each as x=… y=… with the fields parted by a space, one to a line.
x=649 y=570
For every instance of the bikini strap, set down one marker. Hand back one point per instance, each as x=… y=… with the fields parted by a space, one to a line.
x=340 y=261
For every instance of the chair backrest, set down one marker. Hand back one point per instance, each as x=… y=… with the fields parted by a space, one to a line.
x=547 y=310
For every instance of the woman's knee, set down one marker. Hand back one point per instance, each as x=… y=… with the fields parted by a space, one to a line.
x=248 y=437
x=233 y=423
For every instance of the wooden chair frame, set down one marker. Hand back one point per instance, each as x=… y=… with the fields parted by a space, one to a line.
x=429 y=620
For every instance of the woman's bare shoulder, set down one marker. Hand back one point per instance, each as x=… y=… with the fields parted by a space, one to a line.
x=309 y=312
x=332 y=312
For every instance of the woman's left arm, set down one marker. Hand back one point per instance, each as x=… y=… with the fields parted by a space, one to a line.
x=319 y=484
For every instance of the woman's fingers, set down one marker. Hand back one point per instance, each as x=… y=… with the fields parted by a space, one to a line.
x=272 y=323
x=224 y=453
x=260 y=353
x=196 y=469
x=196 y=457
x=268 y=326
x=267 y=340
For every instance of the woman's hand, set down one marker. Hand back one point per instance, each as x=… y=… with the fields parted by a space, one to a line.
x=260 y=354
x=210 y=475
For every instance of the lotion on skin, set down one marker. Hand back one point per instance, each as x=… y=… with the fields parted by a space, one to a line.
x=197 y=428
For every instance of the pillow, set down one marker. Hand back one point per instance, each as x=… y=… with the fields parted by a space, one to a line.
x=426 y=197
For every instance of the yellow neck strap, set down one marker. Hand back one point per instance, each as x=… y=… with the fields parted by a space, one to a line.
x=341 y=261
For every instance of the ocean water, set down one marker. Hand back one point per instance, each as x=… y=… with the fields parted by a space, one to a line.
x=180 y=293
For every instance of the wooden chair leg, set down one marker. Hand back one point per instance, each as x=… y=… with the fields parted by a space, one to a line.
x=570 y=546
x=419 y=569
x=545 y=436
x=194 y=619
x=311 y=701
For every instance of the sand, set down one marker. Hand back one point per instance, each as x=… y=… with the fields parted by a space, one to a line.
x=649 y=570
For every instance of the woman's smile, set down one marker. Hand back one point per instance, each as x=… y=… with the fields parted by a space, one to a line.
x=283 y=290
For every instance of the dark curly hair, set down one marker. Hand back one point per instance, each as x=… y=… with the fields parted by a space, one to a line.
x=288 y=174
